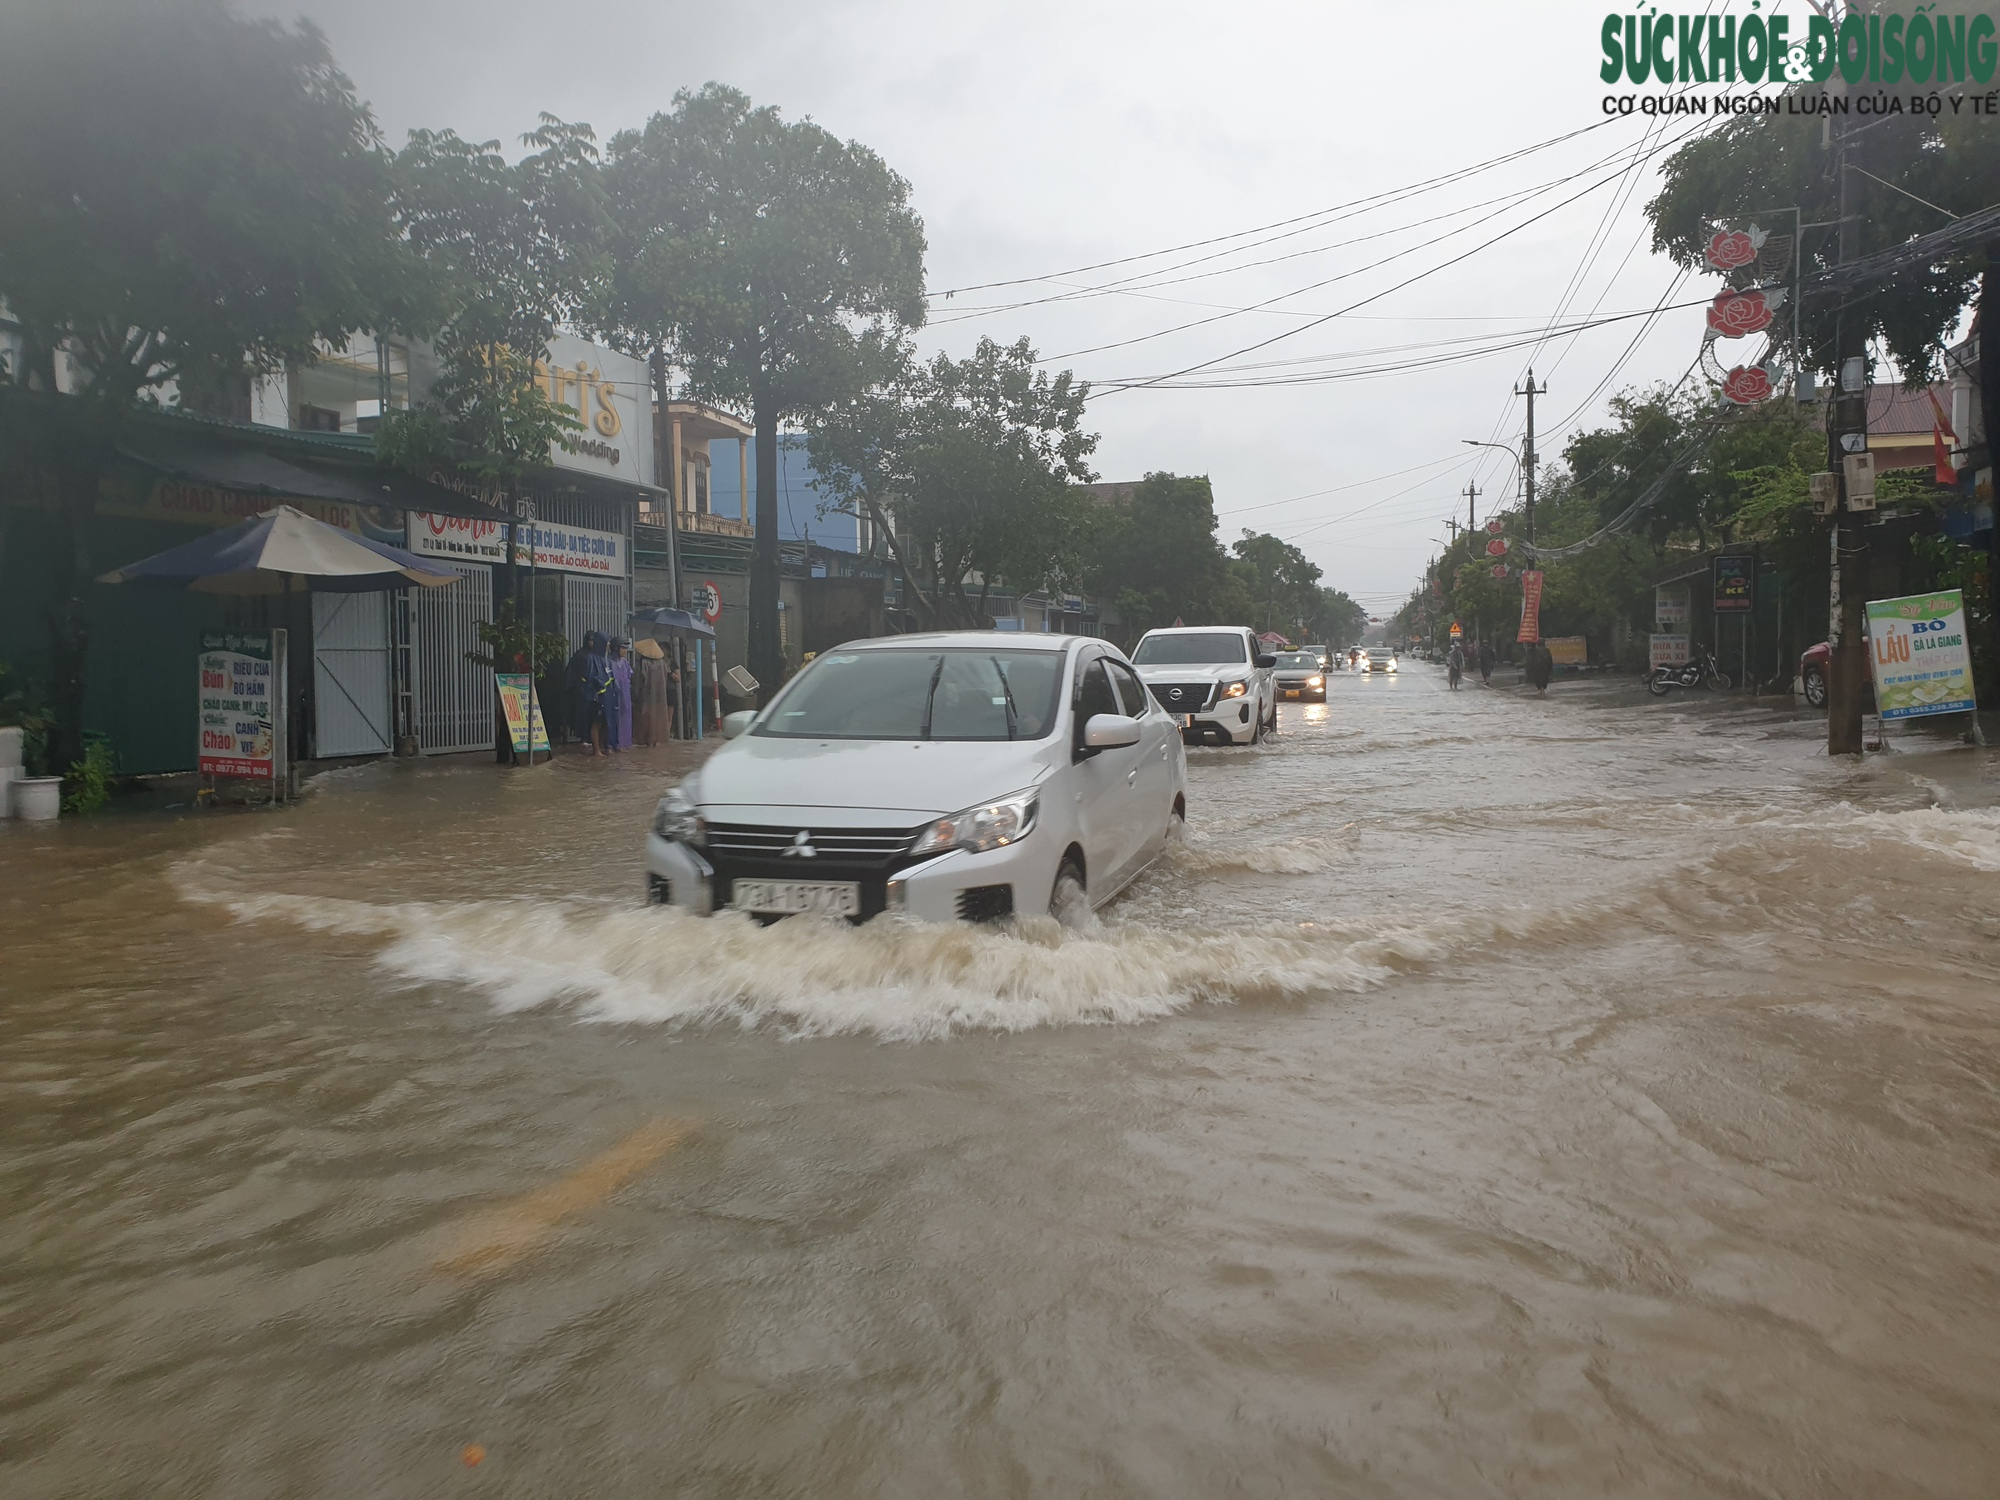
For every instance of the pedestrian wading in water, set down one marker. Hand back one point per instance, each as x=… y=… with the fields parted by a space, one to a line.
x=1541 y=667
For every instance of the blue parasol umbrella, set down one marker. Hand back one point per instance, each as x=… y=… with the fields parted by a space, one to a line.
x=283 y=551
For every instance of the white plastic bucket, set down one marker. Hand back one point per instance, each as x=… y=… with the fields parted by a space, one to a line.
x=37 y=799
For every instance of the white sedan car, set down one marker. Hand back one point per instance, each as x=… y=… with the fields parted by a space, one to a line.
x=963 y=776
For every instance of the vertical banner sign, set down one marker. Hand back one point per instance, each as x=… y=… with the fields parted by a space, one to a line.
x=519 y=704
x=1734 y=585
x=1670 y=609
x=238 y=705
x=1531 y=605
x=1918 y=654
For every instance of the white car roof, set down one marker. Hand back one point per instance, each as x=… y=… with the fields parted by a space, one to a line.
x=972 y=640
x=1200 y=630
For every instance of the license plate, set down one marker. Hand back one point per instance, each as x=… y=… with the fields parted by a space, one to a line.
x=835 y=898
x=1291 y=692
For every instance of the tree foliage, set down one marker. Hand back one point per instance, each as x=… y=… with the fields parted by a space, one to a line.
x=777 y=263
x=1756 y=163
x=969 y=467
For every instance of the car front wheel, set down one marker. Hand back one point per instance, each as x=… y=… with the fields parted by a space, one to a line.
x=1069 y=901
x=1815 y=684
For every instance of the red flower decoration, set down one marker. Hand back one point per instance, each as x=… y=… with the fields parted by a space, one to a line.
x=1499 y=570
x=1730 y=248
x=1735 y=314
x=1496 y=548
x=1746 y=385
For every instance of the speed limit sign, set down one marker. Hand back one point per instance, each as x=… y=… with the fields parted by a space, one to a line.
x=707 y=598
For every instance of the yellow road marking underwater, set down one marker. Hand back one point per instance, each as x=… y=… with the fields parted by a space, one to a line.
x=500 y=1237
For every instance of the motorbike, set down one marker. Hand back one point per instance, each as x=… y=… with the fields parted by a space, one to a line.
x=1697 y=671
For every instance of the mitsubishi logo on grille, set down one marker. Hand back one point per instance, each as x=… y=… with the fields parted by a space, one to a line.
x=801 y=846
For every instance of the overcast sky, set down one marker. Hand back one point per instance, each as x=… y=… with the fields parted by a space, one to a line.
x=1041 y=138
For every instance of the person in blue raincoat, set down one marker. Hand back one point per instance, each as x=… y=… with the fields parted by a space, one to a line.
x=596 y=695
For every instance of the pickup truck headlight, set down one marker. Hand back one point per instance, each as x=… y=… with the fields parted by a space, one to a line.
x=993 y=826
x=1235 y=689
x=676 y=818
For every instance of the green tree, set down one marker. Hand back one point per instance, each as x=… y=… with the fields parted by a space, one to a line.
x=1901 y=166
x=512 y=251
x=969 y=467
x=775 y=263
x=1155 y=558
x=1337 y=620
x=183 y=192
x=1280 y=582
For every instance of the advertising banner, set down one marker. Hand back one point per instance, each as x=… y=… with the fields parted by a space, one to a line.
x=1735 y=585
x=1531 y=605
x=1568 y=650
x=1669 y=650
x=239 y=712
x=1670 y=607
x=519 y=704
x=563 y=549
x=1918 y=654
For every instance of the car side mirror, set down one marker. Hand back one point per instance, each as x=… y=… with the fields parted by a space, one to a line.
x=1267 y=661
x=734 y=724
x=1109 y=731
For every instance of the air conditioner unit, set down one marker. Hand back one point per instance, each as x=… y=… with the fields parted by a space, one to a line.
x=1825 y=492
x=741 y=680
x=1860 y=471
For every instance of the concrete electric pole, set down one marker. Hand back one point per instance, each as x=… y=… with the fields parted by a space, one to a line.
x=1471 y=495
x=1528 y=459
x=1846 y=434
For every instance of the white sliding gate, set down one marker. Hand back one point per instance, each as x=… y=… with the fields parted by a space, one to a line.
x=454 y=698
x=350 y=674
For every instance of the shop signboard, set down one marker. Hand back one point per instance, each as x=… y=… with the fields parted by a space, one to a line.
x=1670 y=607
x=612 y=395
x=1568 y=650
x=1735 y=584
x=1531 y=605
x=520 y=706
x=193 y=504
x=1918 y=654
x=1669 y=650
x=240 y=708
x=566 y=549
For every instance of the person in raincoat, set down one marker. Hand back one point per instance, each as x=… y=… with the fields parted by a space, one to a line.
x=619 y=718
x=1454 y=666
x=596 y=695
x=1541 y=666
x=1485 y=655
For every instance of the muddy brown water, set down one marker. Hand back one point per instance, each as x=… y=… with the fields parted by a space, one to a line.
x=1494 y=1097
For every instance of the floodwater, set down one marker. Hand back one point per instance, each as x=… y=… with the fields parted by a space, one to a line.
x=1493 y=1097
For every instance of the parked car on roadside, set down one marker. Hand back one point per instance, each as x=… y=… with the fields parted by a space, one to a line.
x=1300 y=675
x=962 y=776
x=1215 y=679
x=1816 y=673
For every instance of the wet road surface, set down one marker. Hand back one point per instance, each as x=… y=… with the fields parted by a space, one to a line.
x=1496 y=1096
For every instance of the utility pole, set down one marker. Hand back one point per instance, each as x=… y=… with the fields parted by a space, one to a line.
x=1846 y=430
x=1471 y=495
x=1528 y=457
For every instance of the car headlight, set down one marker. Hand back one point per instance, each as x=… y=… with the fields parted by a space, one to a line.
x=1235 y=689
x=676 y=818
x=1315 y=682
x=993 y=826
x=1392 y=664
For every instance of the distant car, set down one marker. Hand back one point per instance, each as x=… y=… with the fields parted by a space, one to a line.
x=1215 y=679
x=1300 y=674
x=1381 y=659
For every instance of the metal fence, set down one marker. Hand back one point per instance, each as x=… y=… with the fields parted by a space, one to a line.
x=454 y=698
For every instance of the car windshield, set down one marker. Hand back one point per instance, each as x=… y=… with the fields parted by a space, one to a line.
x=1295 y=659
x=1218 y=648
x=1379 y=653
x=921 y=695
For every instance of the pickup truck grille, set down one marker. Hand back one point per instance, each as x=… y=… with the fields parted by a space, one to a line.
x=1182 y=697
